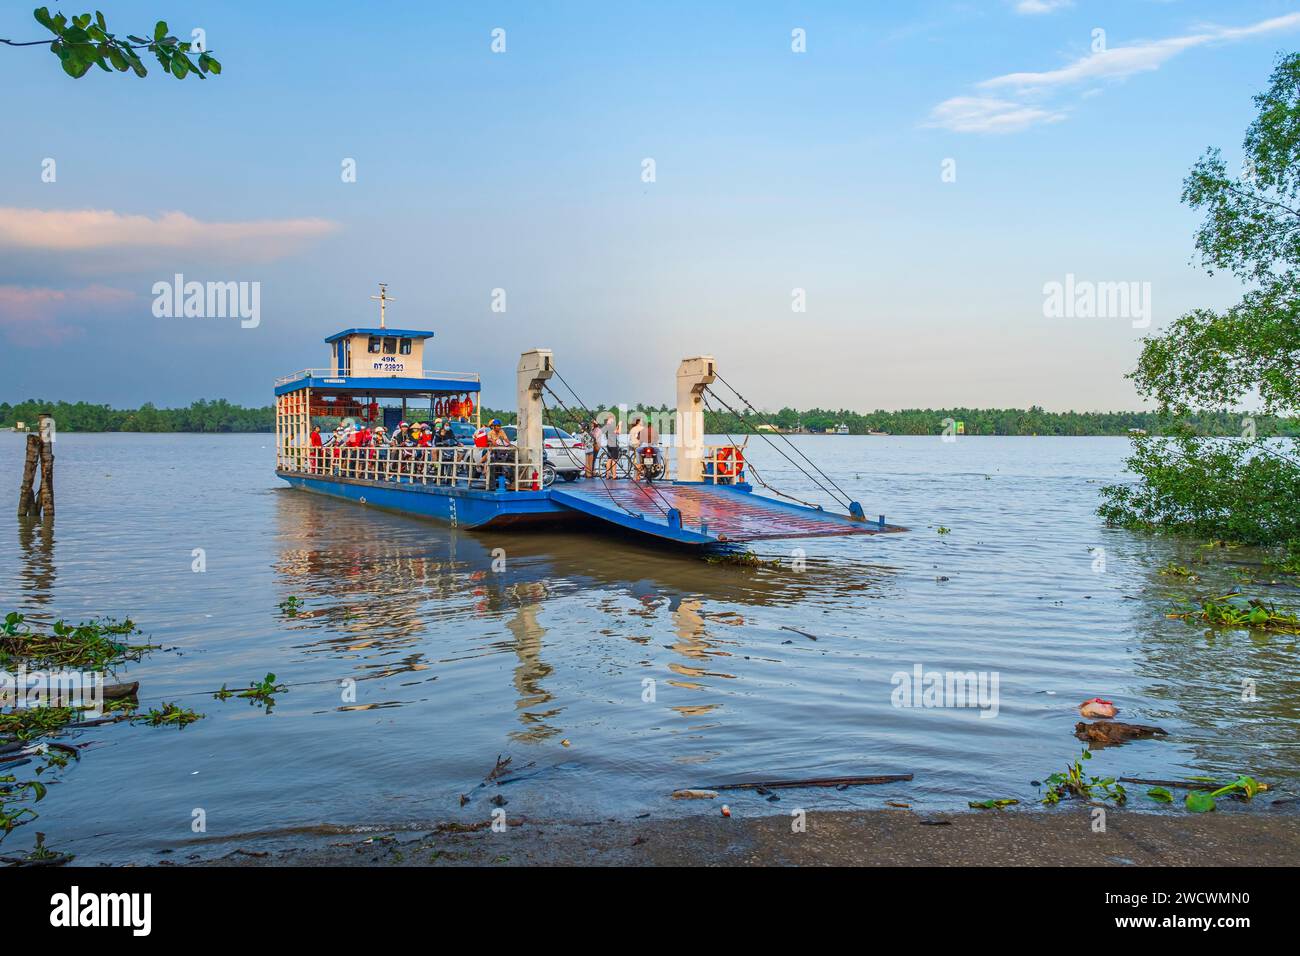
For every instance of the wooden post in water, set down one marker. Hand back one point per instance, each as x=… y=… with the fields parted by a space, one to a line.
x=47 y=464
x=27 y=505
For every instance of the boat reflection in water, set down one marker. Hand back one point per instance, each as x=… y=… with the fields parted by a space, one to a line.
x=396 y=595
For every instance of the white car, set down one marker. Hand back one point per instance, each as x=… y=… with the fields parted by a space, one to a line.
x=565 y=451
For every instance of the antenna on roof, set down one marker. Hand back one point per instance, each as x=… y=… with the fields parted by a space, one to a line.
x=383 y=298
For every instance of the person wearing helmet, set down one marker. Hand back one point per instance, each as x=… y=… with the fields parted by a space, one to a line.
x=501 y=453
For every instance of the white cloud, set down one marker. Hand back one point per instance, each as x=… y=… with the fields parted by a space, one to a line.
x=983 y=114
x=1041 y=6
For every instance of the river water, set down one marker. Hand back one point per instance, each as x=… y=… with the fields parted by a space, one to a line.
x=611 y=673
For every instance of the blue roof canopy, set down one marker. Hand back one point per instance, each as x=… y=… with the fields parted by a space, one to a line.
x=377 y=386
x=397 y=333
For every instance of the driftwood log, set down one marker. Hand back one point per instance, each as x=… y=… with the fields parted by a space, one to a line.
x=813 y=782
x=1111 y=732
x=119 y=691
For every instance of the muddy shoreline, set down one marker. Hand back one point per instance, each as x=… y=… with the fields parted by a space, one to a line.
x=832 y=838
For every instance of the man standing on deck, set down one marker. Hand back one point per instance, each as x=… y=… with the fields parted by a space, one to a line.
x=611 y=446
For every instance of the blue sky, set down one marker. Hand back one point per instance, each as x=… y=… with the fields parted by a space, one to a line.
x=523 y=171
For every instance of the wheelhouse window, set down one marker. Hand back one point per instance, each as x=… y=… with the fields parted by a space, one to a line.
x=405 y=347
x=390 y=345
x=374 y=343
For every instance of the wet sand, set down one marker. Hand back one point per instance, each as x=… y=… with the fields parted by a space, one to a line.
x=834 y=838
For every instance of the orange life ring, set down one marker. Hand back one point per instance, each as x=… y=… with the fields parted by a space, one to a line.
x=453 y=407
x=467 y=408
x=724 y=461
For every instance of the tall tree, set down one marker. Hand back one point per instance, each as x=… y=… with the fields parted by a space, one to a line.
x=1247 y=488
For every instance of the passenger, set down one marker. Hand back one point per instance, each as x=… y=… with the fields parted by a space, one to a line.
x=480 y=454
x=595 y=447
x=351 y=450
x=338 y=440
x=403 y=442
x=647 y=445
x=423 y=436
x=379 y=452
x=611 y=446
x=316 y=444
x=501 y=453
x=444 y=437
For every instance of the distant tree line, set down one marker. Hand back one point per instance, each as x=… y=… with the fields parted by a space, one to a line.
x=202 y=416
x=1003 y=421
x=222 y=416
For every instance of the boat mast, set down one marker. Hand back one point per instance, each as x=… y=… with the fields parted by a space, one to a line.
x=383 y=298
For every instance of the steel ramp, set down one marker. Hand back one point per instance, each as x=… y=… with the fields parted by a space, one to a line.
x=709 y=514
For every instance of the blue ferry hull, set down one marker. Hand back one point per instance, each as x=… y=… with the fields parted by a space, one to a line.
x=457 y=507
x=695 y=515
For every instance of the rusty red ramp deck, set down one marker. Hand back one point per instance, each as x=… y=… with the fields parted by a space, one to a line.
x=709 y=514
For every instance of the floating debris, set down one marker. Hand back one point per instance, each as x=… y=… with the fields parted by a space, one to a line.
x=171 y=715
x=1111 y=732
x=1098 y=708
x=1234 y=611
x=1072 y=782
x=260 y=693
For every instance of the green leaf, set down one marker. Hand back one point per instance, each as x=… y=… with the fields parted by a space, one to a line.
x=75 y=67
x=160 y=31
x=992 y=804
x=1199 y=801
x=179 y=67
x=42 y=15
x=1160 y=795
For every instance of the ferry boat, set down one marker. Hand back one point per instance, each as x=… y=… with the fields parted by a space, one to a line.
x=381 y=376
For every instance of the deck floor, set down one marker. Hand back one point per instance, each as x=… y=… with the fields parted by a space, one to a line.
x=726 y=513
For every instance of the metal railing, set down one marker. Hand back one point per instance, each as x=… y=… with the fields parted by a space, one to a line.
x=378 y=373
x=491 y=469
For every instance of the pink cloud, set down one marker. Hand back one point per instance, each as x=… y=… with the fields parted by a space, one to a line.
x=103 y=230
x=33 y=316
